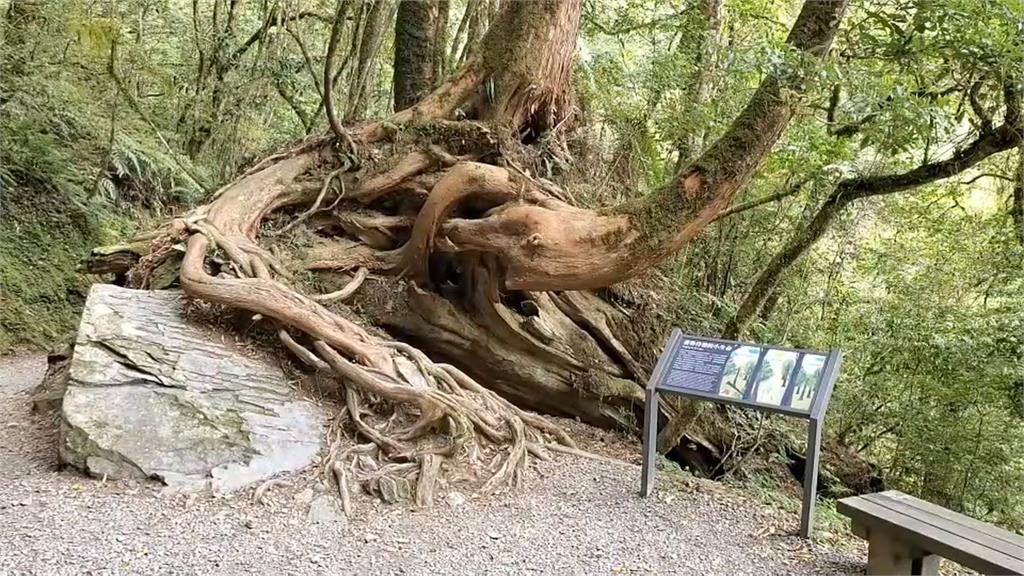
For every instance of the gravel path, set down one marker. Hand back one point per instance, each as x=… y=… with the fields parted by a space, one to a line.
x=573 y=517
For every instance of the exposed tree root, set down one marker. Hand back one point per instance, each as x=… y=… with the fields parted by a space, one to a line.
x=584 y=454
x=426 y=418
x=416 y=414
x=319 y=199
x=412 y=165
x=347 y=255
x=347 y=291
x=377 y=231
x=262 y=489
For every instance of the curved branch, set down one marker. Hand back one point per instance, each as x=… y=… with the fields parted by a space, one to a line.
x=984 y=116
x=271 y=21
x=784 y=193
x=985 y=145
x=720 y=172
x=1000 y=139
x=988 y=175
x=464 y=180
x=347 y=291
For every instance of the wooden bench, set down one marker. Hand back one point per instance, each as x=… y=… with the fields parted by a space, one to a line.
x=907 y=535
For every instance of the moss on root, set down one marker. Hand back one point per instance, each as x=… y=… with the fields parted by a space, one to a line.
x=42 y=241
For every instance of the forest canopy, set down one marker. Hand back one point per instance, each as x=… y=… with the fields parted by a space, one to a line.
x=552 y=185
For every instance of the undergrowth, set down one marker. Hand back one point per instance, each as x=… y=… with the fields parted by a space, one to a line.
x=66 y=186
x=42 y=240
x=787 y=497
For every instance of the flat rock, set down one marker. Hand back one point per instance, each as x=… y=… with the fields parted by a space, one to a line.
x=152 y=394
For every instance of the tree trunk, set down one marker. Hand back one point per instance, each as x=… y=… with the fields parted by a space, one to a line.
x=376 y=20
x=706 y=68
x=419 y=38
x=528 y=54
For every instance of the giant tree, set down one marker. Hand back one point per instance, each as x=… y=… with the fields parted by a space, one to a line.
x=485 y=279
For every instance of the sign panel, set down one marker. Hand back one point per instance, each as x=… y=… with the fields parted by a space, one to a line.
x=770 y=378
x=780 y=378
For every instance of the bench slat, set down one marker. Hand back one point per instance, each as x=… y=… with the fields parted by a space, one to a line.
x=992 y=536
x=930 y=538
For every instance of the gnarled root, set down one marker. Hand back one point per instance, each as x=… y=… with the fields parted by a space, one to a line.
x=479 y=229
x=467 y=179
x=439 y=416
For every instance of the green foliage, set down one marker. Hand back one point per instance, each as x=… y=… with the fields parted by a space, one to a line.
x=83 y=164
x=934 y=322
x=42 y=241
x=146 y=177
x=921 y=290
x=59 y=196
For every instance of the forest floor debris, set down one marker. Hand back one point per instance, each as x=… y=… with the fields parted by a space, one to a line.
x=574 y=516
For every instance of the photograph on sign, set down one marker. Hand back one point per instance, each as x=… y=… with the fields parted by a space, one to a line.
x=738 y=369
x=805 y=385
x=770 y=387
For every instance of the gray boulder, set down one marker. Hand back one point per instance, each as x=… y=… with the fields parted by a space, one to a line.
x=154 y=395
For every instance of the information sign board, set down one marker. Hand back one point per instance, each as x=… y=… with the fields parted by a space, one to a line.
x=779 y=379
x=768 y=378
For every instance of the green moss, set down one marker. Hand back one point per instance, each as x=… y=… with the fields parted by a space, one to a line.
x=77 y=446
x=655 y=217
x=42 y=241
x=515 y=35
x=604 y=386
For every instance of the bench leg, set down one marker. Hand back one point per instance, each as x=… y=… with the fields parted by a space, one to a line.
x=887 y=555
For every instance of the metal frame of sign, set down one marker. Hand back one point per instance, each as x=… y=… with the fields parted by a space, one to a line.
x=815 y=416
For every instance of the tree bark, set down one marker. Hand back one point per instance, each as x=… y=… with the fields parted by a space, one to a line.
x=528 y=54
x=419 y=38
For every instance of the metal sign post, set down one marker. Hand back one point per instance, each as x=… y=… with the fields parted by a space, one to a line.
x=768 y=378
